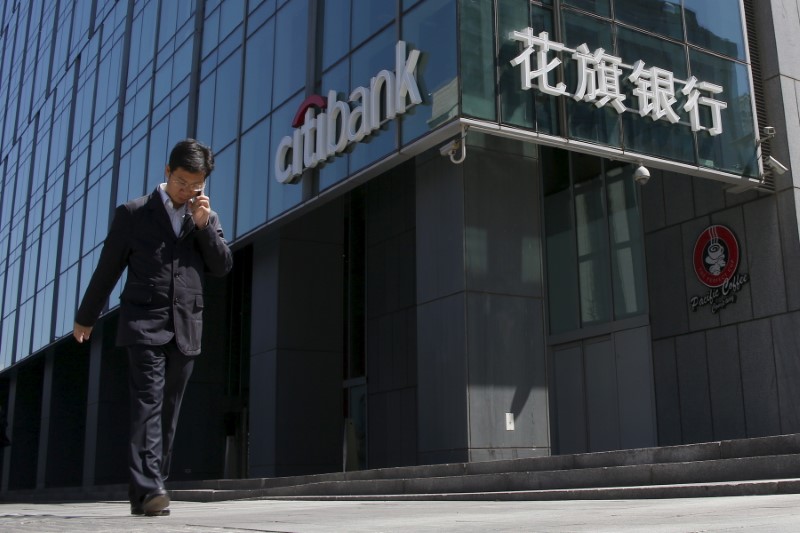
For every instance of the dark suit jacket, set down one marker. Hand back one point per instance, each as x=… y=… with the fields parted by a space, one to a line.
x=163 y=293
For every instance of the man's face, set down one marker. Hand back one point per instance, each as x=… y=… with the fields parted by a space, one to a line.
x=183 y=185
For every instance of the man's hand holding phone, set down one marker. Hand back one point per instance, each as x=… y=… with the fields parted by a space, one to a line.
x=200 y=207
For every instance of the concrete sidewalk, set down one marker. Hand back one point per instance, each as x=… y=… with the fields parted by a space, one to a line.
x=778 y=513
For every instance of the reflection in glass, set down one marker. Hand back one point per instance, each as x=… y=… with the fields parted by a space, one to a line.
x=368 y=17
x=477 y=51
x=633 y=46
x=592 y=248
x=281 y=197
x=599 y=7
x=221 y=186
x=335 y=31
x=431 y=28
x=366 y=62
x=562 y=273
x=226 y=106
x=716 y=25
x=254 y=172
x=290 y=50
x=627 y=249
x=595 y=253
x=258 y=75
x=336 y=79
x=587 y=121
x=658 y=16
x=734 y=150
x=529 y=109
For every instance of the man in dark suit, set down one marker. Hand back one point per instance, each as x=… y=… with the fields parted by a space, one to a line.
x=167 y=241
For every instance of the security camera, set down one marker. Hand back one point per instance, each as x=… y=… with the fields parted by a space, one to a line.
x=450 y=148
x=777 y=167
x=641 y=175
x=768 y=132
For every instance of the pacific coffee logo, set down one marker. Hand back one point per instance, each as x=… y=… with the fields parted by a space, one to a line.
x=716 y=260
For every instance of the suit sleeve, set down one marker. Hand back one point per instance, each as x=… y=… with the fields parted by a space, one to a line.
x=113 y=260
x=216 y=253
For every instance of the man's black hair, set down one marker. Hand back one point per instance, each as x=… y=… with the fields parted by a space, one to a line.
x=192 y=156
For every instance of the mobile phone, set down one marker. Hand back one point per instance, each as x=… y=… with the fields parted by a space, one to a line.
x=196 y=194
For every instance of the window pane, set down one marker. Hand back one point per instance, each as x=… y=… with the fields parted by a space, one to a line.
x=585 y=120
x=592 y=240
x=282 y=196
x=530 y=109
x=716 y=25
x=634 y=45
x=643 y=134
x=335 y=31
x=221 y=186
x=258 y=75
x=431 y=28
x=733 y=150
x=369 y=16
x=335 y=169
x=562 y=273
x=366 y=62
x=627 y=259
x=599 y=7
x=664 y=17
x=477 y=51
x=290 y=50
x=226 y=108
x=254 y=171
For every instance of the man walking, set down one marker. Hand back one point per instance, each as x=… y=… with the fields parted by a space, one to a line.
x=167 y=241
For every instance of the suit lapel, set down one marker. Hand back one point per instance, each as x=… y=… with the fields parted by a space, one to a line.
x=156 y=205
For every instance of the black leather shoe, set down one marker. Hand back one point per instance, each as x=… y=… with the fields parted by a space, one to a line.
x=155 y=502
x=138 y=511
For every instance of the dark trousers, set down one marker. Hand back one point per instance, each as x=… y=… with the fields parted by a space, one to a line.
x=157 y=378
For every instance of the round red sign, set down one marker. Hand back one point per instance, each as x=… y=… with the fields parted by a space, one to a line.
x=716 y=255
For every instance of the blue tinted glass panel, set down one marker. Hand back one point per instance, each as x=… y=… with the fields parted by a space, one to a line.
x=585 y=120
x=335 y=31
x=663 y=17
x=431 y=29
x=231 y=15
x=716 y=25
x=226 y=107
x=337 y=79
x=531 y=108
x=477 y=51
x=210 y=32
x=43 y=318
x=660 y=138
x=7 y=348
x=290 y=50
x=220 y=187
x=254 y=174
x=367 y=61
x=282 y=196
x=369 y=16
x=733 y=150
x=258 y=75
x=24 y=321
x=267 y=5
x=633 y=46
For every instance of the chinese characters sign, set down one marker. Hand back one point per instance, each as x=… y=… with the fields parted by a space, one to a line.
x=600 y=80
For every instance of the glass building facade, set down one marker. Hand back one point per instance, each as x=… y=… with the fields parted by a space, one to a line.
x=480 y=250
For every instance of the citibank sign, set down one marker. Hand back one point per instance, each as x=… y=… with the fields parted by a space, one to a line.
x=326 y=127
